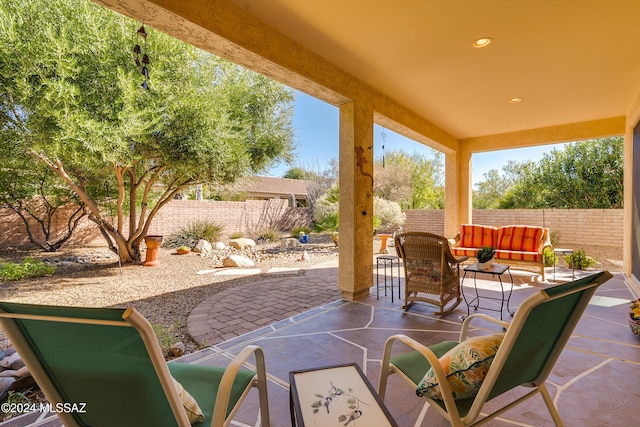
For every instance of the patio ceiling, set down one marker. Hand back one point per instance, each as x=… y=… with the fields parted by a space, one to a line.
x=569 y=61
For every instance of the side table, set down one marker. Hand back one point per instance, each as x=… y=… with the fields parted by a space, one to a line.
x=496 y=270
x=563 y=252
x=384 y=261
x=338 y=395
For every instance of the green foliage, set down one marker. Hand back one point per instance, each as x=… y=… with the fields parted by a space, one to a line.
x=28 y=268
x=296 y=231
x=166 y=335
x=414 y=181
x=485 y=254
x=192 y=232
x=72 y=101
x=579 y=260
x=325 y=210
x=582 y=175
x=236 y=235
x=549 y=257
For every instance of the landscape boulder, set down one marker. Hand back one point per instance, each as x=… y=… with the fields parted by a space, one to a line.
x=203 y=247
x=237 y=261
x=242 y=243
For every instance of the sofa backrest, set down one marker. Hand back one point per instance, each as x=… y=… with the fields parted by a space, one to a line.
x=519 y=238
x=475 y=236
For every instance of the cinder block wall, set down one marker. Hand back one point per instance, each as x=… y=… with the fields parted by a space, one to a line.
x=574 y=226
x=601 y=227
x=247 y=217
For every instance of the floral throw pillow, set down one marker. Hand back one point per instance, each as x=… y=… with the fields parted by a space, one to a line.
x=465 y=366
x=190 y=405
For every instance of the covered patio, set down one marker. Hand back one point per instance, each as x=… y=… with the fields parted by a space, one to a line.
x=593 y=383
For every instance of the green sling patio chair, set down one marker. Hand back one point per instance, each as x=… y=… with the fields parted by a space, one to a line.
x=106 y=368
x=525 y=357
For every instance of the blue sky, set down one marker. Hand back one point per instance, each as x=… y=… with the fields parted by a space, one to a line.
x=316 y=129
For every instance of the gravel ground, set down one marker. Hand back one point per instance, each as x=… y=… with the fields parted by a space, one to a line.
x=165 y=294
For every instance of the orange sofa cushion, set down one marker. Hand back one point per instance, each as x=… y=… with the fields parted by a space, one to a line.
x=519 y=238
x=476 y=236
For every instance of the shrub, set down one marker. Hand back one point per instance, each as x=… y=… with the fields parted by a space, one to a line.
x=549 y=257
x=579 y=260
x=191 y=233
x=30 y=267
x=387 y=214
x=325 y=212
x=270 y=235
x=236 y=235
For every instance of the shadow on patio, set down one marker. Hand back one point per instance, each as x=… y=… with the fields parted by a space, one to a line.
x=593 y=383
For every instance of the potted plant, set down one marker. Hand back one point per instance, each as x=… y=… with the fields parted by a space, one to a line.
x=183 y=250
x=485 y=257
x=633 y=317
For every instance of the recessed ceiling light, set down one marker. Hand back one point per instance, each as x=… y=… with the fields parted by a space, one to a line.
x=482 y=42
x=515 y=100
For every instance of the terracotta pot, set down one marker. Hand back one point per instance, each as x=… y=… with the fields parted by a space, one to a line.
x=153 y=243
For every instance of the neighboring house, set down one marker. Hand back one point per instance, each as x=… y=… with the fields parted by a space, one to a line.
x=264 y=188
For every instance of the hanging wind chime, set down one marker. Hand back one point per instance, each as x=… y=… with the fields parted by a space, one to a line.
x=383 y=134
x=142 y=59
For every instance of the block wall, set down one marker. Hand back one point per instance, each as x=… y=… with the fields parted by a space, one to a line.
x=247 y=217
x=602 y=227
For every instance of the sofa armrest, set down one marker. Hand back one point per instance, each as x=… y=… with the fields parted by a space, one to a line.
x=546 y=241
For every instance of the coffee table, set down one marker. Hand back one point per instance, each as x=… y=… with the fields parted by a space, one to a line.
x=496 y=270
x=339 y=395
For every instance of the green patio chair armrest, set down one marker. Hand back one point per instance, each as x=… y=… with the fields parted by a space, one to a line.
x=433 y=360
x=226 y=383
x=467 y=322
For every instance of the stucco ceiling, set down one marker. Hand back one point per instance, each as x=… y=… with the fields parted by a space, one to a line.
x=570 y=61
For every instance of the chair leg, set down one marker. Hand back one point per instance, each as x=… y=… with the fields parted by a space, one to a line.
x=550 y=406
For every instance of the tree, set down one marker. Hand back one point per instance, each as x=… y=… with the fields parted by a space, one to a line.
x=414 y=181
x=38 y=198
x=492 y=190
x=72 y=99
x=584 y=175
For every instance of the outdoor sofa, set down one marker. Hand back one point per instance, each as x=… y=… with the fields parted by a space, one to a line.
x=516 y=245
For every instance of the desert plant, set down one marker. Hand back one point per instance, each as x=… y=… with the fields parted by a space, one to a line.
x=29 y=268
x=579 y=260
x=236 y=235
x=485 y=254
x=194 y=231
x=270 y=235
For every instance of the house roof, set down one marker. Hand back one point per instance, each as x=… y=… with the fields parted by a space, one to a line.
x=272 y=187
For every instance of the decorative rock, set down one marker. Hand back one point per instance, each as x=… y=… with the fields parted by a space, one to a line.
x=237 y=261
x=242 y=243
x=203 y=247
x=290 y=243
x=177 y=349
x=220 y=246
x=305 y=256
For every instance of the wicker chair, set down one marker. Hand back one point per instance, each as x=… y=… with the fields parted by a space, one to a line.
x=432 y=273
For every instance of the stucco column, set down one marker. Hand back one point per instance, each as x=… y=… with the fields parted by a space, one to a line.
x=356 y=200
x=451 y=201
x=465 y=187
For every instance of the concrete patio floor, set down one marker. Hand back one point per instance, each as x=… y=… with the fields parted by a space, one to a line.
x=594 y=383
